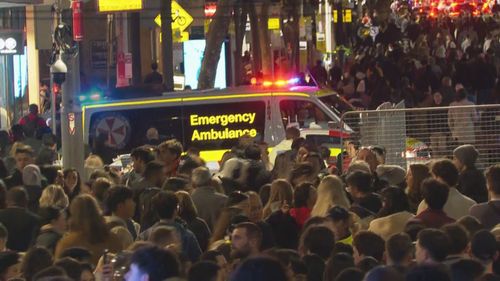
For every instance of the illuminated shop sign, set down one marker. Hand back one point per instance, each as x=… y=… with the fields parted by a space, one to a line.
x=225 y=126
x=119 y=5
x=11 y=43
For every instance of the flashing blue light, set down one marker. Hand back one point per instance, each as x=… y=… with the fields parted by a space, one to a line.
x=294 y=81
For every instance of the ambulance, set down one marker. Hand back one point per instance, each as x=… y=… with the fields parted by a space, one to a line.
x=212 y=121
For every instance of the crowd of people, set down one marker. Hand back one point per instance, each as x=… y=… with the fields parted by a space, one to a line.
x=283 y=216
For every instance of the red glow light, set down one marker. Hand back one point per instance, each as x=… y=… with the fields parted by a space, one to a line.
x=253 y=81
x=267 y=83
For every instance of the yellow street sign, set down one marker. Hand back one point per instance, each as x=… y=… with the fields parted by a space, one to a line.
x=178 y=36
x=273 y=23
x=346 y=16
x=181 y=19
x=119 y=6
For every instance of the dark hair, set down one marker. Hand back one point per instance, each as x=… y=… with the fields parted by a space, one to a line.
x=290 y=259
x=301 y=194
x=471 y=224
x=319 y=240
x=71 y=266
x=466 y=270
x=395 y=200
x=436 y=242
x=210 y=255
x=100 y=187
x=341 y=247
x=460 y=94
x=493 y=178
x=260 y=268
x=336 y=263
x=76 y=191
x=143 y=153
x=384 y=273
x=458 y=238
x=252 y=231
x=50 y=272
x=360 y=180
x=34 y=261
x=350 y=274
x=428 y=272
x=33 y=108
x=252 y=152
x=165 y=203
x=338 y=213
x=153 y=261
x=17 y=196
x=435 y=193
x=153 y=168
x=297 y=143
x=203 y=271
x=154 y=66
x=48 y=214
x=369 y=244
x=446 y=170
x=399 y=246
x=315 y=267
x=316 y=220
x=78 y=253
x=173 y=146
x=484 y=245
x=367 y=263
x=116 y=196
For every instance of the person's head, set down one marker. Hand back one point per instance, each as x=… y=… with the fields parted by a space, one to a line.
x=394 y=200
x=71 y=266
x=165 y=237
x=416 y=174
x=253 y=152
x=140 y=157
x=86 y=219
x=438 y=98
x=33 y=109
x=100 y=188
x=120 y=201
x=246 y=240
x=459 y=238
x=187 y=209
x=9 y=265
x=393 y=175
x=154 y=66
x=471 y=224
x=169 y=151
x=330 y=193
x=359 y=184
x=204 y=271
x=492 y=175
x=54 y=196
x=35 y=260
x=432 y=246
x=399 y=249
x=166 y=204
x=367 y=263
x=305 y=195
x=302 y=172
x=54 y=217
x=435 y=193
x=154 y=173
x=483 y=247
x=80 y=254
x=24 y=156
x=461 y=94
x=281 y=193
x=383 y=273
x=350 y=274
x=149 y=263
x=55 y=273
x=428 y=272
x=369 y=157
x=72 y=180
x=465 y=156
x=32 y=176
x=445 y=171
x=201 y=177
x=466 y=270
x=255 y=210
x=17 y=197
x=368 y=244
x=317 y=240
x=339 y=221
x=292 y=133
x=336 y=264
x=261 y=268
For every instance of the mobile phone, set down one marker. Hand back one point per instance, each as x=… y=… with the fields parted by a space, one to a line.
x=106 y=256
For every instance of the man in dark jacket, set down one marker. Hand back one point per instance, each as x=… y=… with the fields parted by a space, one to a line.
x=471 y=181
x=22 y=225
x=24 y=156
x=489 y=213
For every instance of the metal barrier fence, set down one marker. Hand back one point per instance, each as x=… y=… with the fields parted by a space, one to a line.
x=418 y=135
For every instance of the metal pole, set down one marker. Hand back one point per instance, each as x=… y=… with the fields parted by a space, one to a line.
x=166 y=45
x=71 y=116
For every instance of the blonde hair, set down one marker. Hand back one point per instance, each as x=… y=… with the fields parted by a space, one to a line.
x=54 y=196
x=330 y=194
x=281 y=191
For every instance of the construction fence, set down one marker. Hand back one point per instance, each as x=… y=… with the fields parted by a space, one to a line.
x=418 y=135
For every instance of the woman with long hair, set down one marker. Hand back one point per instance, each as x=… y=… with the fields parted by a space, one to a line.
x=281 y=193
x=54 y=196
x=416 y=174
x=72 y=183
x=188 y=212
x=88 y=229
x=330 y=193
x=393 y=215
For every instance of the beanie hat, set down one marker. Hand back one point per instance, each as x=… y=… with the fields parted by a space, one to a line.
x=467 y=154
x=484 y=245
x=392 y=174
x=32 y=175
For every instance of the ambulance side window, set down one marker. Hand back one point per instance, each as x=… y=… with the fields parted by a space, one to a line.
x=219 y=126
x=304 y=114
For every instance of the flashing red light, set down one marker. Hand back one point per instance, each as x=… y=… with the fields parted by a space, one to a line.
x=267 y=83
x=281 y=83
x=253 y=81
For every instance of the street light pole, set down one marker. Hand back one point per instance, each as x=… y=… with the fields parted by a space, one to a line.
x=166 y=45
